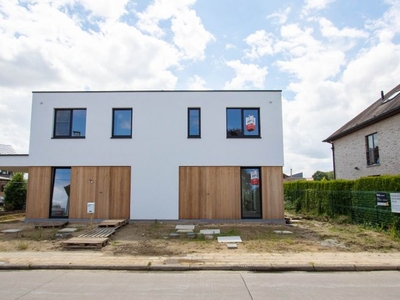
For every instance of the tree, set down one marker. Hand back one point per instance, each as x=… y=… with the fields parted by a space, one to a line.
x=15 y=193
x=320 y=175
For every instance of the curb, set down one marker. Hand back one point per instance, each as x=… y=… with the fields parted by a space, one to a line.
x=254 y=268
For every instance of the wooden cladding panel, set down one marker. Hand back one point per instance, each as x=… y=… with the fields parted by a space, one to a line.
x=120 y=192
x=209 y=193
x=83 y=190
x=103 y=196
x=272 y=193
x=39 y=190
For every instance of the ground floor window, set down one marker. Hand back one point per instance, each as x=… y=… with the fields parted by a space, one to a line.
x=250 y=178
x=61 y=183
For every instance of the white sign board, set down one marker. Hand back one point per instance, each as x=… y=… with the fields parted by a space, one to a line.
x=395 y=200
x=90 y=208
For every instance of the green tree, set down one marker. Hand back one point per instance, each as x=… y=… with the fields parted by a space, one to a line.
x=15 y=193
x=320 y=175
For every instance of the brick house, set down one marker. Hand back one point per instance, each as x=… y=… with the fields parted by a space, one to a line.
x=369 y=144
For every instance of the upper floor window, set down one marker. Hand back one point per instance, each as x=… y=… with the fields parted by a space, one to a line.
x=122 y=123
x=194 y=122
x=243 y=123
x=372 y=149
x=70 y=123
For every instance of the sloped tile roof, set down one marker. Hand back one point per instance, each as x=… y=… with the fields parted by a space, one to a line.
x=6 y=149
x=378 y=111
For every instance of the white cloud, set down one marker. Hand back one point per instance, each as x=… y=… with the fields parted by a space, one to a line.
x=230 y=46
x=280 y=16
x=330 y=31
x=315 y=5
x=196 y=83
x=247 y=76
x=189 y=34
x=261 y=44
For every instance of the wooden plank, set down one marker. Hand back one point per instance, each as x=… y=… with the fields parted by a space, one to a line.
x=113 y=223
x=102 y=199
x=120 y=193
x=83 y=190
x=272 y=193
x=38 y=195
x=85 y=243
x=99 y=233
x=209 y=192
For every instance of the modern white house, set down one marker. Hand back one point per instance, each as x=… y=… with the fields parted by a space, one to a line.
x=145 y=155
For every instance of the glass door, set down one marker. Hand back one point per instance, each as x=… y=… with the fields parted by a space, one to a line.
x=250 y=179
x=59 y=205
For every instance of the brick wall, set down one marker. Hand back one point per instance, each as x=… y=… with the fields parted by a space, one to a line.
x=350 y=151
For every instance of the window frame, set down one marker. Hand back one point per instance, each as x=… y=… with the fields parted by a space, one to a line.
x=53 y=179
x=193 y=136
x=125 y=136
x=242 y=212
x=71 y=124
x=374 y=150
x=242 y=135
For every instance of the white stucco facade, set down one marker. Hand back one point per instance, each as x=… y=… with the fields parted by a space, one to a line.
x=350 y=151
x=159 y=143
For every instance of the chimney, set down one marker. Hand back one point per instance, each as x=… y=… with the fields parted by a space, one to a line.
x=382 y=95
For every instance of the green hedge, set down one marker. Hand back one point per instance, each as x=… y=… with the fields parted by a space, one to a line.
x=353 y=198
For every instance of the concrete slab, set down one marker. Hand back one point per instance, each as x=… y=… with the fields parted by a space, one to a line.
x=229 y=239
x=210 y=231
x=16 y=231
x=185 y=227
x=184 y=231
x=282 y=232
x=67 y=230
x=232 y=246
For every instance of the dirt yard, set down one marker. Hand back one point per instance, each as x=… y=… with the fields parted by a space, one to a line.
x=153 y=238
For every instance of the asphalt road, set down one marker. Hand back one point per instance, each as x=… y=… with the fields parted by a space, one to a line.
x=113 y=285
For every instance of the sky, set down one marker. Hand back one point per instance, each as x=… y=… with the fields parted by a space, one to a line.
x=330 y=58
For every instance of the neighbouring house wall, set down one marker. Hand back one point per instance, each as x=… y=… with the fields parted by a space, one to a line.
x=107 y=187
x=350 y=151
x=159 y=143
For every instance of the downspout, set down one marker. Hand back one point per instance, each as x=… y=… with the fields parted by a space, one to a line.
x=333 y=158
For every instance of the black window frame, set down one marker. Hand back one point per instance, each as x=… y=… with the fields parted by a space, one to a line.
x=372 y=152
x=193 y=136
x=126 y=136
x=243 y=217
x=53 y=178
x=242 y=136
x=71 y=134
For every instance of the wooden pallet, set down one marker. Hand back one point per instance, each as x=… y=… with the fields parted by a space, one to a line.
x=113 y=223
x=85 y=243
x=60 y=224
x=99 y=233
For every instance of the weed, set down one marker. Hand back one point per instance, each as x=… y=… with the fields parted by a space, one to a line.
x=22 y=246
x=231 y=232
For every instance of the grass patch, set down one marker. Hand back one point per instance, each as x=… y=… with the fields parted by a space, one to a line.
x=22 y=246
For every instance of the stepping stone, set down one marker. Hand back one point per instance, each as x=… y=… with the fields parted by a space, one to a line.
x=209 y=236
x=282 y=232
x=210 y=231
x=232 y=246
x=229 y=239
x=185 y=227
x=184 y=231
x=174 y=235
x=12 y=231
x=67 y=230
x=190 y=235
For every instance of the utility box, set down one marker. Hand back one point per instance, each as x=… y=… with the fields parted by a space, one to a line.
x=90 y=208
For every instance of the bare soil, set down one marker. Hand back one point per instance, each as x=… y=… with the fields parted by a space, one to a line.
x=153 y=238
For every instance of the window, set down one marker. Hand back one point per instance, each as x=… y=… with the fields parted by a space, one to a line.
x=70 y=123
x=194 y=123
x=243 y=123
x=59 y=205
x=372 y=149
x=250 y=180
x=122 y=123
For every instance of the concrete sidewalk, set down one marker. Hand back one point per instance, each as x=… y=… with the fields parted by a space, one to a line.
x=304 y=261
